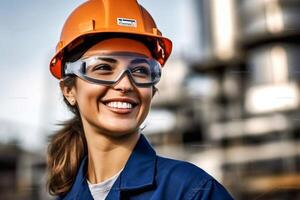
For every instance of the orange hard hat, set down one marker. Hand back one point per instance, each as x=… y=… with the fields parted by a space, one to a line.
x=100 y=19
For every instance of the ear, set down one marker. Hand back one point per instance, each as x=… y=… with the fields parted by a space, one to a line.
x=68 y=92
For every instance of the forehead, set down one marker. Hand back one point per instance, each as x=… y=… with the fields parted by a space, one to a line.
x=117 y=57
x=118 y=45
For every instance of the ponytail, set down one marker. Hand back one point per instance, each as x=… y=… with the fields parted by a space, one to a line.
x=66 y=149
x=65 y=152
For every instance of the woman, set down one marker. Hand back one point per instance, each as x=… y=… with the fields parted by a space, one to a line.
x=108 y=60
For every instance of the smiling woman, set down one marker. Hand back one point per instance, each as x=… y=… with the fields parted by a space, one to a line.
x=108 y=60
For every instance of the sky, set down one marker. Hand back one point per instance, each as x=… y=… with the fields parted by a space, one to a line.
x=30 y=100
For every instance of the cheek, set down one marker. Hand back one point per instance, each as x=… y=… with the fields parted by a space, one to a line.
x=88 y=94
x=146 y=97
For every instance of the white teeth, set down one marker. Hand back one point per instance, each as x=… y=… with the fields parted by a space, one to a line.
x=119 y=104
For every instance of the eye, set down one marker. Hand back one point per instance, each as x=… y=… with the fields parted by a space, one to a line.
x=99 y=69
x=102 y=67
x=141 y=70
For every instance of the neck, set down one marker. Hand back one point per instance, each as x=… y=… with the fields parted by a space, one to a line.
x=108 y=155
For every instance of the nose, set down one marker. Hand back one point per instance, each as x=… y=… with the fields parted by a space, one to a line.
x=124 y=84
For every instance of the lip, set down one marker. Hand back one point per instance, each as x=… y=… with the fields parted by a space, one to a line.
x=121 y=110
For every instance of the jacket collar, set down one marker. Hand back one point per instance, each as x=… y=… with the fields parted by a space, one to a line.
x=139 y=172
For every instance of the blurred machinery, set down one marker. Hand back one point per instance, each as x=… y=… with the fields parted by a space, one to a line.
x=22 y=172
x=236 y=112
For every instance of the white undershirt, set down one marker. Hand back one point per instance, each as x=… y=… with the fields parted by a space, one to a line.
x=99 y=191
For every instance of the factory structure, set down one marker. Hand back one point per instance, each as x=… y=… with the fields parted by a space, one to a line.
x=235 y=111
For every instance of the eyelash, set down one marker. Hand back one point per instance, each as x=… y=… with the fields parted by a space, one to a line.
x=141 y=68
x=98 y=67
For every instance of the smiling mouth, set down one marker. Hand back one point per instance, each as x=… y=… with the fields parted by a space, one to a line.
x=120 y=107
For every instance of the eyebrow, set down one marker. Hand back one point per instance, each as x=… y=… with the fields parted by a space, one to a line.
x=111 y=60
x=139 y=61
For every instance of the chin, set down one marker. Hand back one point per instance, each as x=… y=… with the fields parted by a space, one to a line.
x=119 y=123
x=121 y=129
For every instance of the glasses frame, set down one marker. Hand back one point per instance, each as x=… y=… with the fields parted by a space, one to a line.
x=75 y=68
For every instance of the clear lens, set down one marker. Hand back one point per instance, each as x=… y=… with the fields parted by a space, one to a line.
x=109 y=68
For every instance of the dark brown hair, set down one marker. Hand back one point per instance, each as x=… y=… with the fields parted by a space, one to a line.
x=66 y=150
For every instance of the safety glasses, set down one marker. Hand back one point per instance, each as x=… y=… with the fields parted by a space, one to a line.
x=109 y=68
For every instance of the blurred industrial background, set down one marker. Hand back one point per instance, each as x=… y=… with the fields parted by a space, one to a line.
x=229 y=99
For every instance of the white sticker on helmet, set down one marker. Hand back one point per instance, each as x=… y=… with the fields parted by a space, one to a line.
x=126 y=22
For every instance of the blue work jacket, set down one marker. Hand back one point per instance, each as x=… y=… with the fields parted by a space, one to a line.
x=147 y=176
